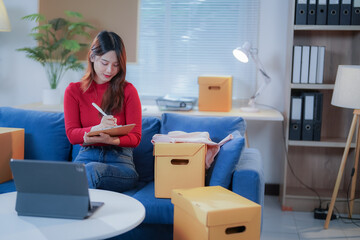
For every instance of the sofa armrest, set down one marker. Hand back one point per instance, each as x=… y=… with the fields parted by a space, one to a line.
x=248 y=178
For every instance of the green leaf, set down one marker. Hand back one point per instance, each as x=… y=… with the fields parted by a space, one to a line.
x=36 y=35
x=58 y=23
x=34 y=17
x=73 y=14
x=80 y=25
x=75 y=66
x=44 y=27
x=71 y=45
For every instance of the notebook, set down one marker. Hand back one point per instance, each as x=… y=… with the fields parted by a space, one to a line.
x=118 y=130
x=52 y=189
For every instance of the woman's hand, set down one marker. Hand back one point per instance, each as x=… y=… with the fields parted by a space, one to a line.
x=106 y=122
x=102 y=138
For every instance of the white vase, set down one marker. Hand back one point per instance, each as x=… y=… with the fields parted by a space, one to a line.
x=51 y=97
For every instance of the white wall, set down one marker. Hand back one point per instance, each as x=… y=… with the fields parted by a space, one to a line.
x=269 y=137
x=22 y=80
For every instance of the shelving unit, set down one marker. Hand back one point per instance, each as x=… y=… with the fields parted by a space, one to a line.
x=311 y=167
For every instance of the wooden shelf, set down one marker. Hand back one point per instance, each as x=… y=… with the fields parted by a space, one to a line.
x=316 y=163
x=326 y=27
x=312 y=86
x=331 y=143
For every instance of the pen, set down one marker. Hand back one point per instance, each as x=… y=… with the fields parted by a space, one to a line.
x=99 y=109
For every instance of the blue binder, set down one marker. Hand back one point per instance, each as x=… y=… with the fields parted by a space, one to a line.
x=345 y=12
x=318 y=116
x=333 y=17
x=355 y=13
x=321 y=12
x=311 y=13
x=295 y=118
x=308 y=117
x=301 y=12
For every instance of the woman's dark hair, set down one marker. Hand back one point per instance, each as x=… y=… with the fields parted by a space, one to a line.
x=104 y=42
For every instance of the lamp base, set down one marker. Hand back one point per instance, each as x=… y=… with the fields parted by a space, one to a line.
x=249 y=109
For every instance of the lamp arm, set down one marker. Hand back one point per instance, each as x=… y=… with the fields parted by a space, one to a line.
x=266 y=77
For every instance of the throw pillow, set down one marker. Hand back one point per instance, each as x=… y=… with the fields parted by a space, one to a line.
x=221 y=170
x=143 y=153
x=217 y=127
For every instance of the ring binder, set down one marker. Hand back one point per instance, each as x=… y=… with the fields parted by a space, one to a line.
x=333 y=12
x=321 y=12
x=301 y=12
x=295 y=118
x=345 y=12
x=311 y=15
x=308 y=117
x=355 y=13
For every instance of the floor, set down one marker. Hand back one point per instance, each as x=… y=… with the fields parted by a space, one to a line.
x=280 y=225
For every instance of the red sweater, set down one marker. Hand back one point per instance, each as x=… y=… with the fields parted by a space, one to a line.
x=80 y=115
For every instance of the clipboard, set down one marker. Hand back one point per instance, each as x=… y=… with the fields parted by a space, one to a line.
x=114 y=131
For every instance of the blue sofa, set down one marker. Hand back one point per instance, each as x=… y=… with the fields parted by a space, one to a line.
x=237 y=168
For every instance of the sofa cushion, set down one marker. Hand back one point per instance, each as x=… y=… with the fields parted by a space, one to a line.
x=75 y=151
x=249 y=172
x=217 y=127
x=45 y=137
x=221 y=170
x=143 y=153
x=158 y=210
x=8 y=186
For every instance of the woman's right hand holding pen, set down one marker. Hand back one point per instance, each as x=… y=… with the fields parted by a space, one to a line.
x=106 y=122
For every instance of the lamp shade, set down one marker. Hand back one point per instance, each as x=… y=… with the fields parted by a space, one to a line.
x=242 y=53
x=4 y=19
x=346 y=92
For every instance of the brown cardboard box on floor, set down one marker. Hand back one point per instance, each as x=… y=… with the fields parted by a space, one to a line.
x=11 y=146
x=212 y=213
x=178 y=165
x=215 y=93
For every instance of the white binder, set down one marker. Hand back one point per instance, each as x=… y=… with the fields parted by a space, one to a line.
x=320 y=65
x=296 y=64
x=305 y=59
x=313 y=64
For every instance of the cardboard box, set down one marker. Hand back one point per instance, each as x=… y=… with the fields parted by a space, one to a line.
x=214 y=213
x=11 y=146
x=178 y=165
x=215 y=93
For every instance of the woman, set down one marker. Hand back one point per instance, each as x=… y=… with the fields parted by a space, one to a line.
x=108 y=160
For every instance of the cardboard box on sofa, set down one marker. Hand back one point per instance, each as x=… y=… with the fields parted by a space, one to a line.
x=178 y=165
x=215 y=93
x=12 y=146
x=214 y=213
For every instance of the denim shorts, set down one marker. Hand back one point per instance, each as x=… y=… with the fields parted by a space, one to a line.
x=109 y=167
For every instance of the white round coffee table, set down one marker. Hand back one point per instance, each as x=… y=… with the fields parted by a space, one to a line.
x=119 y=214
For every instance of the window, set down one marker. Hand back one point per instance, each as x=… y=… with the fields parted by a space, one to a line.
x=180 y=40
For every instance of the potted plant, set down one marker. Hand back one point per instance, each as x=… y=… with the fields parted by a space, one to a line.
x=57 y=45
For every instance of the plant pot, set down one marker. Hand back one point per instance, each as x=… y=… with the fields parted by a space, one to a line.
x=51 y=97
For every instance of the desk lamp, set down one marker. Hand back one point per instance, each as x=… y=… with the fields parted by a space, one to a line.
x=346 y=94
x=4 y=19
x=242 y=54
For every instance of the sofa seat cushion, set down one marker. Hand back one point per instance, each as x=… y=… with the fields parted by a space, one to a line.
x=8 y=186
x=158 y=210
x=45 y=137
x=217 y=127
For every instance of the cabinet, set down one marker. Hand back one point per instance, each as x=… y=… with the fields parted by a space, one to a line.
x=311 y=167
